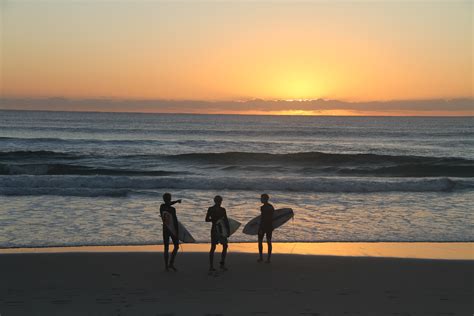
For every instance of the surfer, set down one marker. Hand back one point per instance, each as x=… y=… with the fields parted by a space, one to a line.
x=166 y=210
x=219 y=231
x=266 y=227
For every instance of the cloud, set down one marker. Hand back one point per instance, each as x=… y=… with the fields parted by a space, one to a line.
x=461 y=106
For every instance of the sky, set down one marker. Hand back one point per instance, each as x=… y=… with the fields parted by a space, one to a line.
x=233 y=51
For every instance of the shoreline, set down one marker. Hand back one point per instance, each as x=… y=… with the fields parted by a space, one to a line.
x=408 y=250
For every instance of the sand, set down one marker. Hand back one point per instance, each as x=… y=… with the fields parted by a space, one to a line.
x=414 y=250
x=135 y=283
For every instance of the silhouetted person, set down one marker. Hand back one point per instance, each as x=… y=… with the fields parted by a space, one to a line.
x=167 y=210
x=215 y=214
x=266 y=227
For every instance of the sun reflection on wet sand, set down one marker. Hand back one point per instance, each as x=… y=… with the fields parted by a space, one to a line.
x=416 y=250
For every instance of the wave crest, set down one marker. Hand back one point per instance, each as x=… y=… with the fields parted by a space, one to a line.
x=305 y=163
x=108 y=185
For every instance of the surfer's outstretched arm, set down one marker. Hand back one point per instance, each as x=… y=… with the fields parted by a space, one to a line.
x=174 y=202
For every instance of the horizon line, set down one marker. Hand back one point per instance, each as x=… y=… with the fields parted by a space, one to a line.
x=227 y=114
x=295 y=107
x=249 y=99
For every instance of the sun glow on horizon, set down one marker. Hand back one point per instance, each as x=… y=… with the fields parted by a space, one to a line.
x=295 y=112
x=237 y=51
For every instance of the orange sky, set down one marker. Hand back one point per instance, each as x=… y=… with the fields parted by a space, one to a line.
x=193 y=50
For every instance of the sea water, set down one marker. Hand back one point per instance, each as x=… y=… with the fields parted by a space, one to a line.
x=97 y=178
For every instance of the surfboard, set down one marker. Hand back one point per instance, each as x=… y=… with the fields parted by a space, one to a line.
x=183 y=234
x=280 y=217
x=222 y=229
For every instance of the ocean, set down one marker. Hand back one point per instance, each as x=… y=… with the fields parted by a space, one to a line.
x=70 y=178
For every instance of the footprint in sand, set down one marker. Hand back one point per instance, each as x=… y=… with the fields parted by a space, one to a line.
x=345 y=292
x=213 y=273
x=103 y=301
x=14 y=303
x=61 y=302
x=138 y=292
x=149 y=299
x=14 y=291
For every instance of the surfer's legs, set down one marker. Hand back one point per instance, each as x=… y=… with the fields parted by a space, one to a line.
x=268 y=235
x=224 y=253
x=173 y=254
x=175 y=251
x=211 y=256
x=260 y=245
x=166 y=244
x=269 y=244
x=214 y=242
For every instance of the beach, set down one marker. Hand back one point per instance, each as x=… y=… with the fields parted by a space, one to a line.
x=340 y=133
x=377 y=229
x=118 y=282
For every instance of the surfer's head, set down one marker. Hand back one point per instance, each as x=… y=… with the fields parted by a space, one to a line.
x=218 y=200
x=264 y=198
x=167 y=197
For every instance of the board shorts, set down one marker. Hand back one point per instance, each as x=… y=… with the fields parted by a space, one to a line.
x=268 y=231
x=217 y=238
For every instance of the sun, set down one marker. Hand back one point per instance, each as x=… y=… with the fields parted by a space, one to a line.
x=297 y=86
x=301 y=90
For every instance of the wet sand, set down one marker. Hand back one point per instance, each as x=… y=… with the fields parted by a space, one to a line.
x=413 y=250
x=135 y=283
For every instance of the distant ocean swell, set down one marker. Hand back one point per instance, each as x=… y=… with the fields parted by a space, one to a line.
x=122 y=185
x=65 y=169
x=306 y=163
x=253 y=131
x=350 y=164
x=251 y=157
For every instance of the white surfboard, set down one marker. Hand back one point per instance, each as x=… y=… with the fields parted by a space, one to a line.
x=183 y=234
x=280 y=217
x=222 y=229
